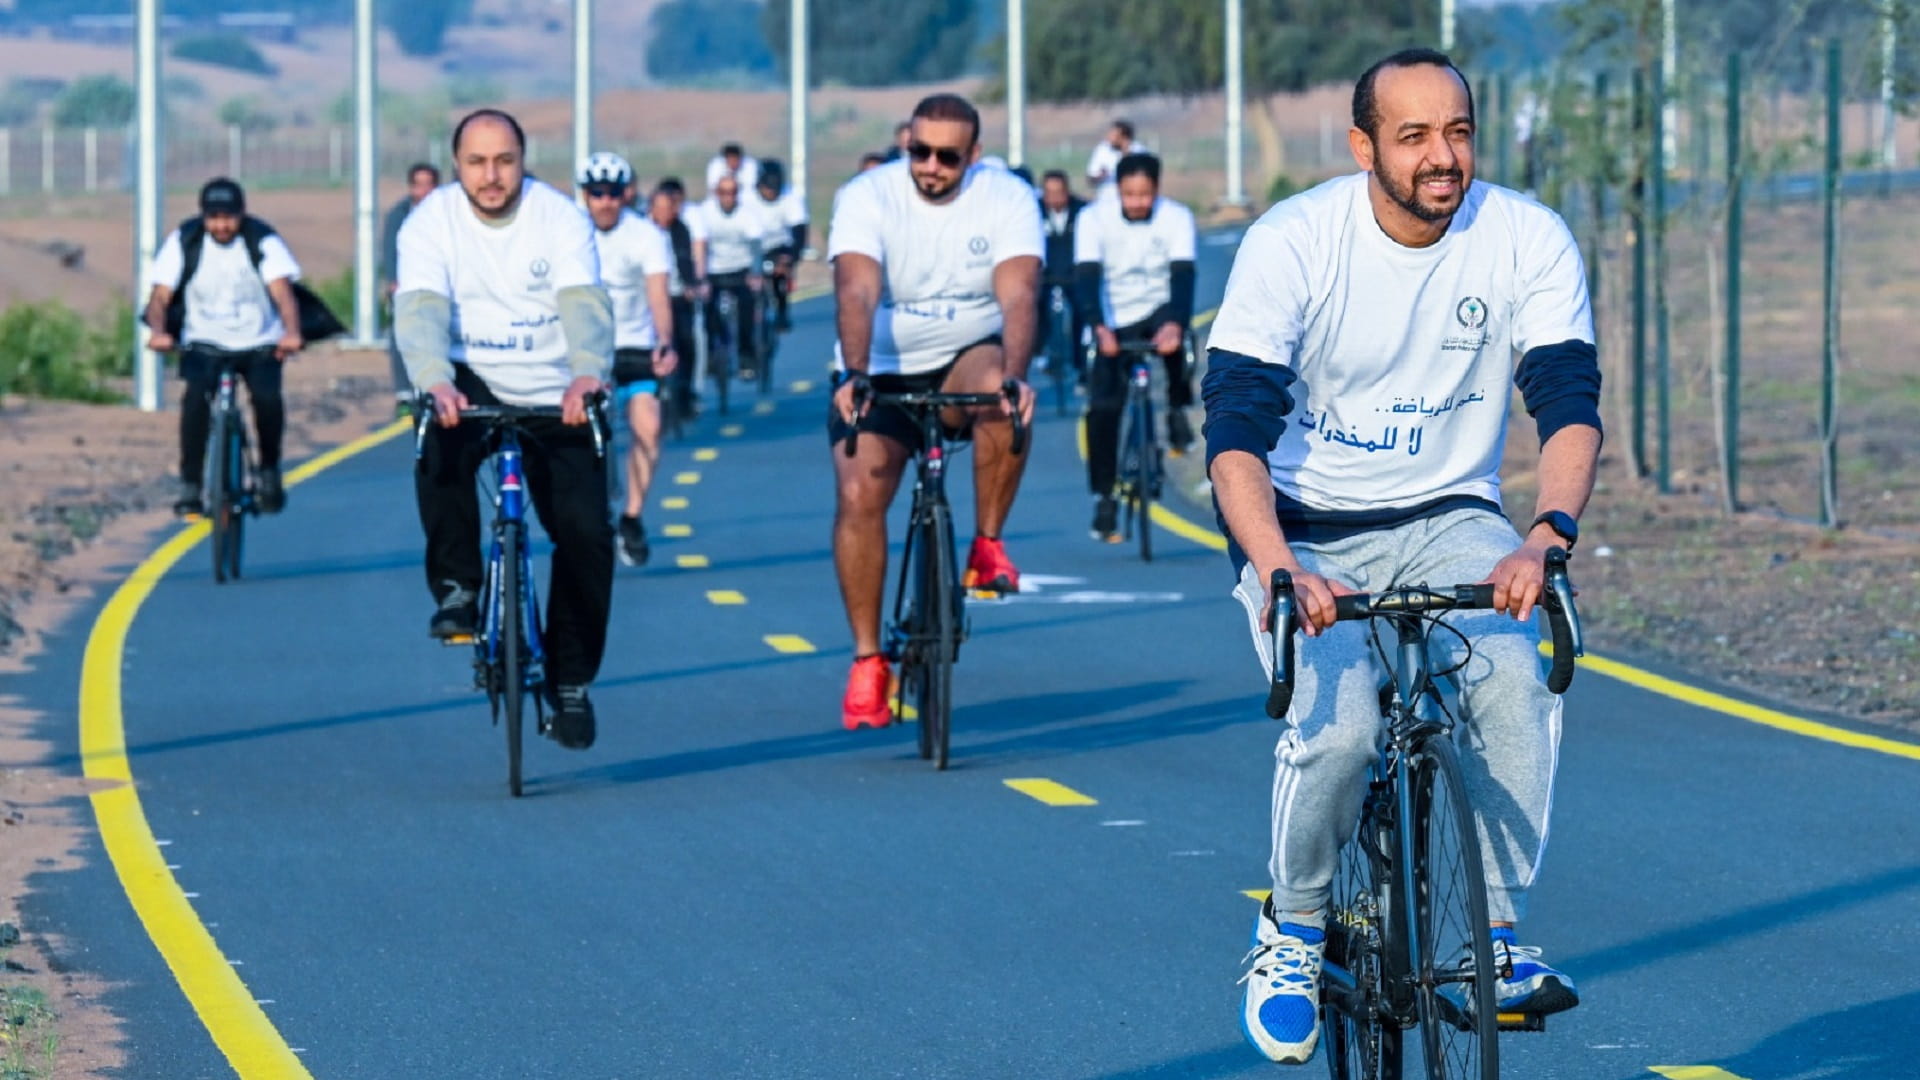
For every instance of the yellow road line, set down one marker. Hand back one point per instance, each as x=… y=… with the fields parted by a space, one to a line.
x=677 y=531
x=686 y=479
x=726 y=597
x=674 y=502
x=904 y=711
x=1257 y=894
x=1693 y=1072
x=802 y=386
x=230 y=1012
x=706 y=453
x=763 y=408
x=789 y=643
x=691 y=562
x=732 y=431
x=1051 y=792
x=1600 y=665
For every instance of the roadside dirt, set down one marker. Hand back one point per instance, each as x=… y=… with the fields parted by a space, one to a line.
x=86 y=487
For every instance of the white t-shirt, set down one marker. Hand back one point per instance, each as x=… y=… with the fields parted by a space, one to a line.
x=734 y=241
x=1405 y=356
x=631 y=252
x=504 y=282
x=227 y=301
x=780 y=215
x=748 y=173
x=936 y=262
x=1102 y=162
x=1136 y=257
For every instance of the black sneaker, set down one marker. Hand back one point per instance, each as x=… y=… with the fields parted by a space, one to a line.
x=269 y=493
x=189 y=504
x=572 y=723
x=1106 y=520
x=457 y=615
x=633 y=542
x=1179 y=432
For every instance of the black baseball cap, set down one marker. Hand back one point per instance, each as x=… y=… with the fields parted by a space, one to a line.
x=222 y=196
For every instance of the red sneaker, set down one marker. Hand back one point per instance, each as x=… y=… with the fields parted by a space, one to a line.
x=868 y=702
x=989 y=569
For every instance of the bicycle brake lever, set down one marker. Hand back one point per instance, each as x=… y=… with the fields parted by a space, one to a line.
x=1018 y=444
x=1560 y=588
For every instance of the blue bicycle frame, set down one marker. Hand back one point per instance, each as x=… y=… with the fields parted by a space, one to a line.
x=510 y=515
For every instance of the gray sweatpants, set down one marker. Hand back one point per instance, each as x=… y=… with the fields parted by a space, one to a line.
x=1510 y=738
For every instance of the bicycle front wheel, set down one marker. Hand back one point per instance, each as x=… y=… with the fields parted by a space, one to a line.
x=940 y=599
x=1145 y=478
x=1454 y=976
x=512 y=634
x=227 y=471
x=1361 y=1044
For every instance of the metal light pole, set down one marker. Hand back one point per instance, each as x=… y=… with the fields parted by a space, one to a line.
x=797 y=96
x=366 y=164
x=582 y=80
x=1016 y=82
x=1447 y=20
x=1236 y=97
x=146 y=200
x=1888 y=30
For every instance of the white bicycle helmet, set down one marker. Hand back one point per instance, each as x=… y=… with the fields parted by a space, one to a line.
x=604 y=167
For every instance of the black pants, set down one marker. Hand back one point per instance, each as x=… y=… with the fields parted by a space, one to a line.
x=782 y=282
x=684 y=392
x=569 y=488
x=1107 y=399
x=742 y=330
x=1073 y=358
x=200 y=368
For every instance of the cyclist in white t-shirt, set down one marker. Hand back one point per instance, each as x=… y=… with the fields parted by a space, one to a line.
x=936 y=262
x=1133 y=283
x=636 y=265
x=1382 y=314
x=734 y=162
x=785 y=214
x=500 y=301
x=736 y=233
x=237 y=305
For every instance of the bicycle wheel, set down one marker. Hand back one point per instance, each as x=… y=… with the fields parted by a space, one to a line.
x=1362 y=1047
x=512 y=632
x=1453 y=975
x=722 y=373
x=940 y=593
x=1060 y=358
x=239 y=493
x=1144 y=480
x=769 y=340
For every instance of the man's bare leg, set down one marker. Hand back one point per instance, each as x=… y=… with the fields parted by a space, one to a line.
x=866 y=485
x=643 y=419
x=996 y=469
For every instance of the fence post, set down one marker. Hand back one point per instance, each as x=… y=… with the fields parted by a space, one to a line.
x=1735 y=222
x=46 y=158
x=234 y=150
x=336 y=153
x=1830 y=351
x=91 y=147
x=1504 y=130
x=1597 y=197
x=6 y=161
x=1641 y=117
x=1657 y=226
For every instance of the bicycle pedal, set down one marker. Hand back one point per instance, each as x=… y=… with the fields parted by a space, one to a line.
x=458 y=639
x=985 y=594
x=1516 y=1021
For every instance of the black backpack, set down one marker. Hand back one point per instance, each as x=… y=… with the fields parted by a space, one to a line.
x=317 y=323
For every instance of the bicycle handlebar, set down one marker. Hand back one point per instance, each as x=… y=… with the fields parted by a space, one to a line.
x=1563 y=620
x=939 y=399
x=425 y=414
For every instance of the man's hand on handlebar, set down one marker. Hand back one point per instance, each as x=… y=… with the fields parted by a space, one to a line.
x=573 y=406
x=1520 y=578
x=665 y=359
x=1024 y=404
x=849 y=398
x=1166 y=340
x=447 y=403
x=161 y=341
x=1106 y=341
x=1313 y=598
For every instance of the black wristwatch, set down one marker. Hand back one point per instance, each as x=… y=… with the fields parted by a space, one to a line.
x=1562 y=523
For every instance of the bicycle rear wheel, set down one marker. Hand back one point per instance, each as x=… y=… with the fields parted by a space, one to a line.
x=940 y=595
x=721 y=369
x=1145 y=468
x=1453 y=975
x=1360 y=1047
x=769 y=339
x=512 y=632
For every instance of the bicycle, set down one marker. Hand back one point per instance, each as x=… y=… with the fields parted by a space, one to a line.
x=765 y=324
x=1060 y=348
x=1407 y=930
x=1141 y=468
x=722 y=361
x=929 y=619
x=509 y=658
x=231 y=471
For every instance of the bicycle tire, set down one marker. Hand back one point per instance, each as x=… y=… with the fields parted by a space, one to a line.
x=722 y=373
x=512 y=627
x=942 y=592
x=238 y=496
x=769 y=340
x=1453 y=976
x=912 y=631
x=219 y=518
x=1143 y=478
x=1060 y=359
x=1358 y=921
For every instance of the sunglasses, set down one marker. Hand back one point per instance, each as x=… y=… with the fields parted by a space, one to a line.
x=947 y=156
x=605 y=191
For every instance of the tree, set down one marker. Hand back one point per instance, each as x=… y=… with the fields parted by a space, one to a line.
x=692 y=40
x=420 y=26
x=881 y=42
x=94 y=101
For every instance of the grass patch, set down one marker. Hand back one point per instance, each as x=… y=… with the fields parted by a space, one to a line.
x=28 y=1041
x=49 y=350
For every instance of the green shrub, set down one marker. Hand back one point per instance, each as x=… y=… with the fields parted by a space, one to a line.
x=48 y=350
x=94 y=101
x=337 y=293
x=1281 y=187
x=246 y=113
x=224 y=50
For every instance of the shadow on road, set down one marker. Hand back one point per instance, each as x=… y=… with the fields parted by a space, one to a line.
x=1232 y=1060
x=1868 y=1041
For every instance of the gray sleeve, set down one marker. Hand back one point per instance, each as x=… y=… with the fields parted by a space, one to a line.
x=586 y=318
x=422 y=328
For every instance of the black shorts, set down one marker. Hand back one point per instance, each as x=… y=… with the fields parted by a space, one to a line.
x=895 y=423
x=633 y=366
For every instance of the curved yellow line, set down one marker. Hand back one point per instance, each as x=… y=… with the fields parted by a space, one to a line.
x=238 y=1025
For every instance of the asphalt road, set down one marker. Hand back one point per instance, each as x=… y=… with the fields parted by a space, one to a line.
x=728 y=885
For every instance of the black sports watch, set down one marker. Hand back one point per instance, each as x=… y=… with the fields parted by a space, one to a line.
x=1562 y=523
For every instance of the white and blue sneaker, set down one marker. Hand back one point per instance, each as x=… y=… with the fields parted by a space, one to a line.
x=1532 y=986
x=1281 y=1013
